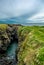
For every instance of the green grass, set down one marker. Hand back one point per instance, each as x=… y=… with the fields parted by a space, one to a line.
x=3 y=26
x=31 y=43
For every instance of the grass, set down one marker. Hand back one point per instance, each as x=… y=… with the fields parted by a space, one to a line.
x=31 y=44
x=3 y=26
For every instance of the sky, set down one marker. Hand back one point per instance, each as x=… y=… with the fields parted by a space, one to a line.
x=22 y=10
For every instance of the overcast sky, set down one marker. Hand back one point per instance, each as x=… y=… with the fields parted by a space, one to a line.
x=33 y=9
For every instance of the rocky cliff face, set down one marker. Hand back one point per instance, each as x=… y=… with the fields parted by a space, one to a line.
x=7 y=36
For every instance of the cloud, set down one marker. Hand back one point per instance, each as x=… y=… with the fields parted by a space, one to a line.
x=15 y=8
x=22 y=10
x=39 y=17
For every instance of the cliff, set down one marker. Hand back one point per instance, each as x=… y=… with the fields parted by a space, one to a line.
x=30 y=40
x=7 y=34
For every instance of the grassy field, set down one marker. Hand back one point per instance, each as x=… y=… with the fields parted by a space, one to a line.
x=31 y=45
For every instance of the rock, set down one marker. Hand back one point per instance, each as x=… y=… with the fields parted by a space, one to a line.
x=1 y=43
x=6 y=37
x=7 y=61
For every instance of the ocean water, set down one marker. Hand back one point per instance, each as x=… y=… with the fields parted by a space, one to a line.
x=11 y=50
x=22 y=22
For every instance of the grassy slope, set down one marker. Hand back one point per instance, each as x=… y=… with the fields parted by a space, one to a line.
x=3 y=26
x=31 y=48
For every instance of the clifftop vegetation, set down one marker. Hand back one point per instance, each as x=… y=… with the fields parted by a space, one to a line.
x=31 y=45
x=3 y=26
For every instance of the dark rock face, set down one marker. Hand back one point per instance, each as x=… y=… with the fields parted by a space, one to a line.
x=7 y=61
x=6 y=38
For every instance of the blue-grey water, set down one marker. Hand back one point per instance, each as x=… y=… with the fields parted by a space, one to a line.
x=32 y=24
x=21 y=21
x=11 y=50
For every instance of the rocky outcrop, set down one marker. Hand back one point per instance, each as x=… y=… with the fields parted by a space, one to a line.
x=7 y=61
x=7 y=36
